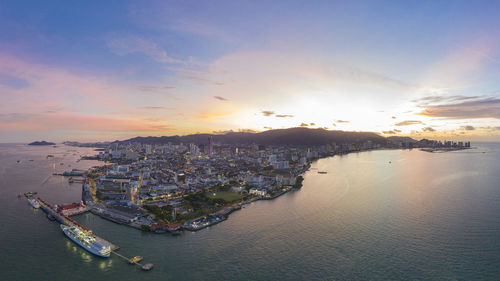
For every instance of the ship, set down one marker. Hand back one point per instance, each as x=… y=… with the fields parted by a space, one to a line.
x=86 y=241
x=30 y=194
x=34 y=203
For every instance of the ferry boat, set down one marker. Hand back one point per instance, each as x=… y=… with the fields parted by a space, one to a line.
x=88 y=242
x=34 y=203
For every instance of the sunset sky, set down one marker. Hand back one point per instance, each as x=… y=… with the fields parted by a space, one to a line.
x=106 y=70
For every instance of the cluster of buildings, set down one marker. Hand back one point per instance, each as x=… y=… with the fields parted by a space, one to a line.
x=138 y=178
x=429 y=144
x=137 y=175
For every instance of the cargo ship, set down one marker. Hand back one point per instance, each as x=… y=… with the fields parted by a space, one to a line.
x=86 y=241
x=34 y=203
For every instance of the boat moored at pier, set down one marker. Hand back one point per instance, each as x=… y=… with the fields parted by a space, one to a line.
x=86 y=241
x=34 y=203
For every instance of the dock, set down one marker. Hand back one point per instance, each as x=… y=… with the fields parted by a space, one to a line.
x=147 y=266
x=60 y=217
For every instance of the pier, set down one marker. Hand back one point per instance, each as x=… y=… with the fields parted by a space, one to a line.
x=60 y=217
x=147 y=266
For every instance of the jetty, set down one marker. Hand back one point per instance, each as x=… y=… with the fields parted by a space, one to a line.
x=135 y=260
x=64 y=219
x=59 y=214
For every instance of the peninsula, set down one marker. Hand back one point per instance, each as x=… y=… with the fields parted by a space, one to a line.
x=170 y=184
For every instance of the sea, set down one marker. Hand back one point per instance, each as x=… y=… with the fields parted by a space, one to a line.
x=375 y=215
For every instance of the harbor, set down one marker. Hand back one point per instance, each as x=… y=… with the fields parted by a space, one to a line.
x=64 y=219
x=62 y=215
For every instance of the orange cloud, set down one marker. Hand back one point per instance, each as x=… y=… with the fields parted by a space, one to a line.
x=80 y=122
x=210 y=115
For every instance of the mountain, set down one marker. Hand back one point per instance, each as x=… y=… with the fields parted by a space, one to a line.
x=41 y=143
x=291 y=136
x=396 y=139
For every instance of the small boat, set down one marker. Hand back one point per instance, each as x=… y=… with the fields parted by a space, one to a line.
x=18 y=161
x=34 y=203
x=51 y=217
x=148 y=266
x=322 y=172
x=135 y=259
x=30 y=194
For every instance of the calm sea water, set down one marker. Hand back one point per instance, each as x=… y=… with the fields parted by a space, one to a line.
x=422 y=216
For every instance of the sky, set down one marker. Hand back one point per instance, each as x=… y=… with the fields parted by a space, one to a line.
x=106 y=70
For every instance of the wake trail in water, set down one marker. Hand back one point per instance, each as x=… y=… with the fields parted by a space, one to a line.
x=46 y=179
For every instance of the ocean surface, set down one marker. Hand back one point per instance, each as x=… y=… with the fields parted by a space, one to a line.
x=378 y=215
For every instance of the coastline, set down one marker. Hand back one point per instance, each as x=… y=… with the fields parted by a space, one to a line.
x=207 y=220
x=445 y=149
x=225 y=215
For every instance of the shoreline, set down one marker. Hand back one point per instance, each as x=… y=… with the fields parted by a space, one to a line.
x=187 y=225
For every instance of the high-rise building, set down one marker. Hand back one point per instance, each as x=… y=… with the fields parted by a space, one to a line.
x=210 y=146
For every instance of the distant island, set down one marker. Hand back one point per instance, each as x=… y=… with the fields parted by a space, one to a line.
x=41 y=143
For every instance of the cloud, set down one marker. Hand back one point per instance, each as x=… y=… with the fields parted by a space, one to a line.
x=268 y=128
x=388 y=132
x=428 y=129
x=267 y=113
x=210 y=115
x=155 y=107
x=199 y=80
x=408 y=122
x=468 y=128
x=473 y=107
x=13 y=81
x=220 y=98
x=15 y=117
x=397 y=131
x=342 y=121
x=424 y=101
x=283 y=115
x=154 y=88
x=125 y=45
x=461 y=65
x=304 y=125
x=44 y=122
x=49 y=85
x=393 y=117
x=288 y=74
x=312 y=124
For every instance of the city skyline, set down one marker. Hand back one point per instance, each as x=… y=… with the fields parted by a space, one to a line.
x=106 y=71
